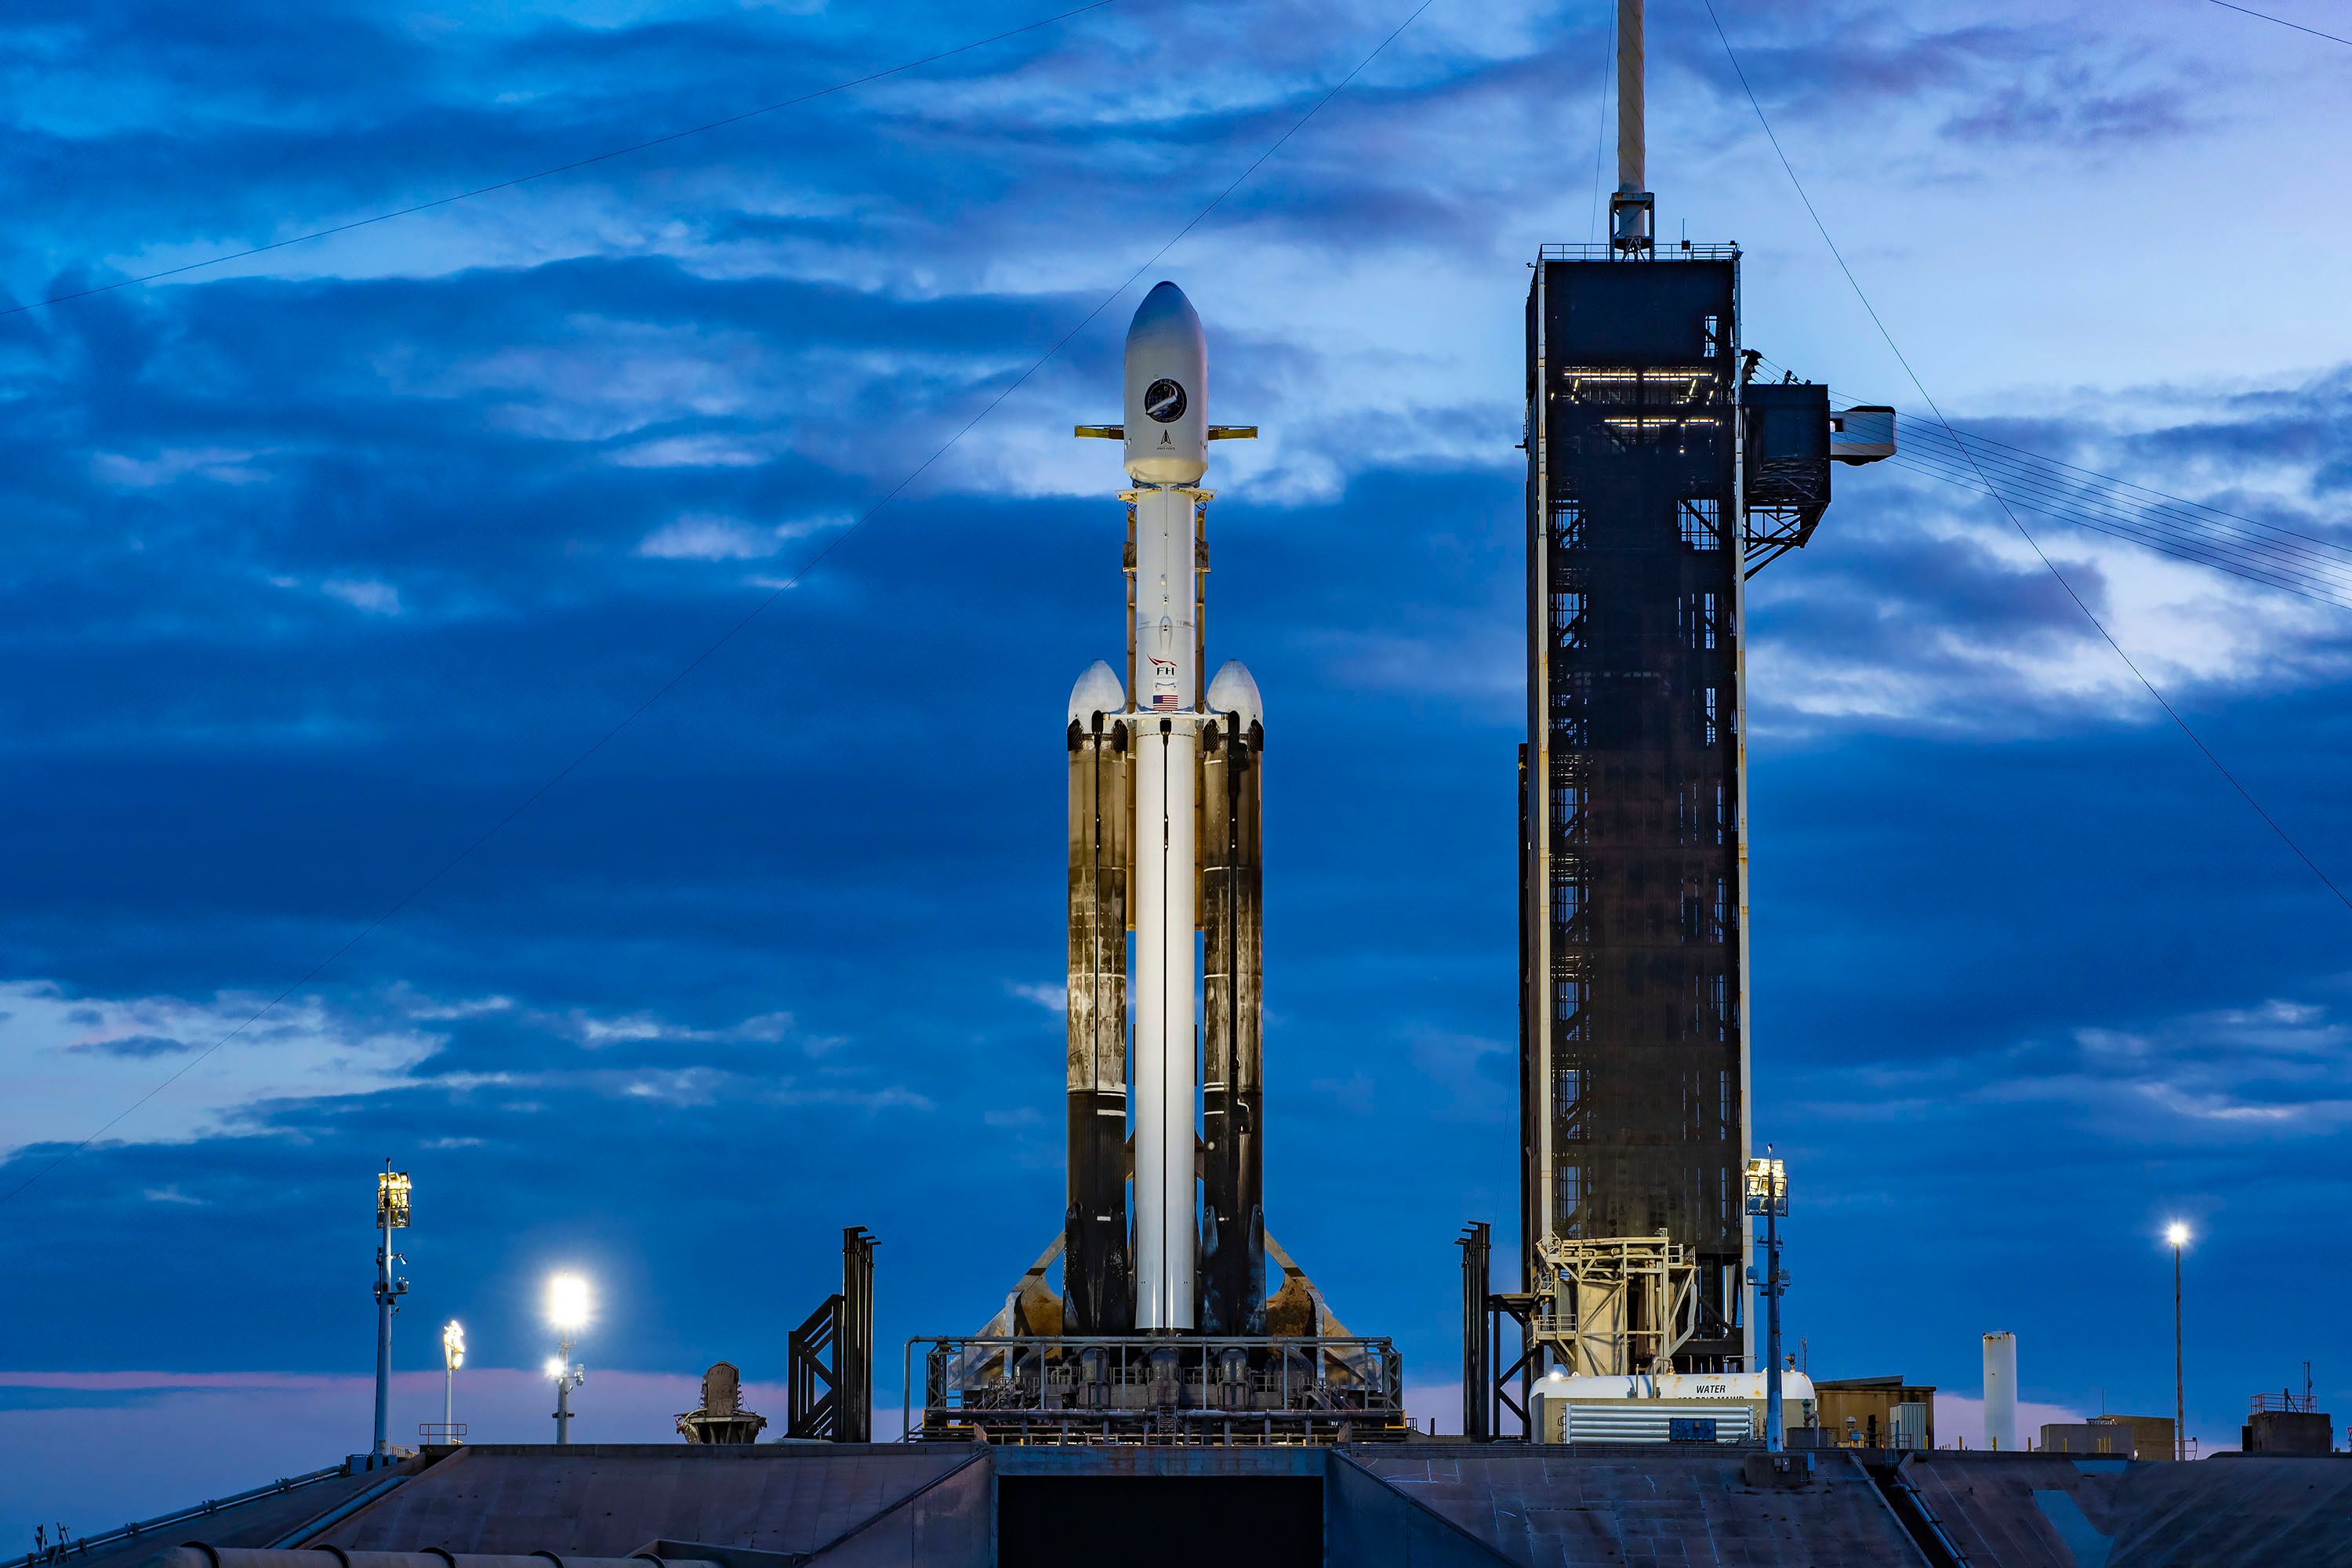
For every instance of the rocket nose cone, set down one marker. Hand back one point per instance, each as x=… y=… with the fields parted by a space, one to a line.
x=1164 y=316
x=1166 y=401
x=1234 y=691
x=1098 y=691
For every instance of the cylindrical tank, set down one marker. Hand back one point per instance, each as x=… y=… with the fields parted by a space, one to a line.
x=2001 y=1390
x=1643 y=1408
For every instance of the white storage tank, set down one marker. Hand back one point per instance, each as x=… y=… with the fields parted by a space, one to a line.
x=2000 y=1392
x=1721 y=1408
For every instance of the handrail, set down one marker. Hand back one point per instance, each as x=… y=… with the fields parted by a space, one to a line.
x=1665 y=251
x=60 y=1549
x=2306 y=1402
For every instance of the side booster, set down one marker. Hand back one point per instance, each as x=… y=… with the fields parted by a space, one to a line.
x=1164 y=811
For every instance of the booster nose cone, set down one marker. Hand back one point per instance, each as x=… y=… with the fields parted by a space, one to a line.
x=1098 y=691
x=1234 y=691
x=1167 y=391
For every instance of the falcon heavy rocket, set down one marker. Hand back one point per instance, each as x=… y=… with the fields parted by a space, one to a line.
x=1165 y=810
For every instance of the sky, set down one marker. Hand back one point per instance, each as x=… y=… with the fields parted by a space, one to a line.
x=597 y=651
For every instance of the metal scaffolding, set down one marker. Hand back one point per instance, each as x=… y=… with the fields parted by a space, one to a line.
x=1633 y=854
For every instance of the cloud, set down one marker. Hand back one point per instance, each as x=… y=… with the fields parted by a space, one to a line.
x=77 y=1062
x=711 y=539
x=2248 y=1075
x=367 y=595
x=1053 y=998
x=142 y=1045
x=1959 y=1419
x=1479 y=1075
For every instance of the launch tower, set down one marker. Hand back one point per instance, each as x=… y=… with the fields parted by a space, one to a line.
x=1660 y=478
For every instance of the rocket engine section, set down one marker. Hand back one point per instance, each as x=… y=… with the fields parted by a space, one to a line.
x=1096 y=1282
x=1232 y=1176
x=1164 y=836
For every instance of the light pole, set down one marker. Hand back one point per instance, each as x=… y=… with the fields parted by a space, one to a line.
x=391 y=1215
x=453 y=1356
x=2178 y=1234
x=567 y=1313
x=1768 y=1195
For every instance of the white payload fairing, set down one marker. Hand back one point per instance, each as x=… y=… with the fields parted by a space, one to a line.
x=1138 y=818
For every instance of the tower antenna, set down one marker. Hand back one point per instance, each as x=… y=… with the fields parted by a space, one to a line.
x=1631 y=207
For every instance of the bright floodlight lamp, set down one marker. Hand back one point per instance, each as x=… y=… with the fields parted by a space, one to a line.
x=1768 y=1195
x=556 y=1367
x=453 y=1345
x=567 y=1303
x=1768 y=1187
x=392 y=1200
x=2177 y=1233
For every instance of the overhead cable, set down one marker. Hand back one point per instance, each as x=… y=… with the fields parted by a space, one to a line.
x=1600 y=132
x=2006 y=510
x=2073 y=500
x=729 y=635
x=2096 y=523
x=2281 y=21
x=2194 y=523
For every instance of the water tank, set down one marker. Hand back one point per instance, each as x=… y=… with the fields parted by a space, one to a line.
x=2000 y=1392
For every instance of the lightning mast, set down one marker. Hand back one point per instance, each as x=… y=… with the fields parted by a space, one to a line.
x=391 y=1215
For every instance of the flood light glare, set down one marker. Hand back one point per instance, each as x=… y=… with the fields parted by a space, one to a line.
x=2177 y=1233
x=453 y=1344
x=392 y=1200
x=567 y=1301
x=554 y=1367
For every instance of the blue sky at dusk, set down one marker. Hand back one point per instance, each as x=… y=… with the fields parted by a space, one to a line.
x=317 y=563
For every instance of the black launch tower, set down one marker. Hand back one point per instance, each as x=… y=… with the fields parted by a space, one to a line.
x=1634 y=1039
x=1661 y=477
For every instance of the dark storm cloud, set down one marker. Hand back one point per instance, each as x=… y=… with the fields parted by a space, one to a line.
x=2067 y=111
x=138 y=1047
x=1983 y=83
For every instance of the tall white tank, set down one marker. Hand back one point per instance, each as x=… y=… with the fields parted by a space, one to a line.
x=2001 y=1390
x=1167 y=377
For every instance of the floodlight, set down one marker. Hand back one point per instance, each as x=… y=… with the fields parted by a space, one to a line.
x=2177 y=1233
x=555 y=1367
x=1768 y=1187
x=392 y=1200
x=453 y=1345
x=567 y=1303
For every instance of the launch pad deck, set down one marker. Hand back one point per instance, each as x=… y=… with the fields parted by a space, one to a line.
x=1136 y=1388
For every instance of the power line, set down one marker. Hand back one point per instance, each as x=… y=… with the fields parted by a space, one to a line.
x=2006 y=510
x=753 y=614
x=2286 y=544
x=1600 y=132
x=2278 y=545
x=562 y=168
x=2266 y=17
x=1981 y=440
x=2094 y=523
x=2061 y=497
